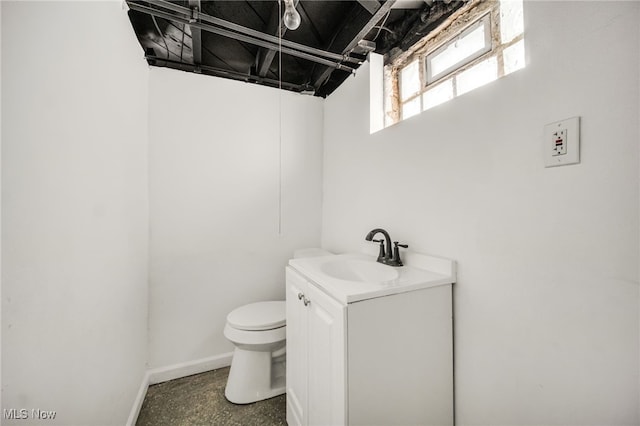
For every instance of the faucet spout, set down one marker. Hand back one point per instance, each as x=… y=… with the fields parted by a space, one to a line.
x=387 y=239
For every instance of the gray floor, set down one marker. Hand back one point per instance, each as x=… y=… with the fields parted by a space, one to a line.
x=199 y=400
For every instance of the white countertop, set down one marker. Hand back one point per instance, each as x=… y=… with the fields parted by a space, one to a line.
x=420 y=271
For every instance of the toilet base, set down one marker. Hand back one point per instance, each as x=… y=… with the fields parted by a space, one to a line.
x=255 y=375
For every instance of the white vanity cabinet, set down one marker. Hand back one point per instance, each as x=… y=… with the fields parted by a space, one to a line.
x=361 y=358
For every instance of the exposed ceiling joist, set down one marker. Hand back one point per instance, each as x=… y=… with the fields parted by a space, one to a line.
x=217 y=22
x=275 y=27
x=240 y=39
x=250 y=36
x=265 y=57
x=196 y=35
x=371 y=5
x=377 y=17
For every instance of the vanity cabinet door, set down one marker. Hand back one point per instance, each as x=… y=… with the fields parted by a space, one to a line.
x=316 y=355
x=327 y=359
x=297 y=364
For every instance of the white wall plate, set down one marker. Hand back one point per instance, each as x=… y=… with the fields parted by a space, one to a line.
x=561 y=144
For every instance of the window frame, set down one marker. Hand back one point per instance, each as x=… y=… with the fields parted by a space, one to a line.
x=485 y=21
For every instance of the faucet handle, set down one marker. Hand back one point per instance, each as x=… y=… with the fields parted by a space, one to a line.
x=396 y=253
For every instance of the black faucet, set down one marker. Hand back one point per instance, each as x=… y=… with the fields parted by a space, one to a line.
x=385 y=256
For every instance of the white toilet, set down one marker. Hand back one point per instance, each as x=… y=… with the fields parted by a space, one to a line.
x=258 y=331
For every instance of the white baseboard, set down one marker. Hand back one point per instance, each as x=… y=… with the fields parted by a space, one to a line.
x=137 y=404
x=175 y=371
x=184 y=369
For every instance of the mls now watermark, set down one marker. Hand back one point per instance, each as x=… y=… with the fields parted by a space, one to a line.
x=24 y=414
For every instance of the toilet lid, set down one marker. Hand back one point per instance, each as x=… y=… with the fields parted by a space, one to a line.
x=258 y=316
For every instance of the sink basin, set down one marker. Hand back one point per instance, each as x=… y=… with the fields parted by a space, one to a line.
x=359 y=270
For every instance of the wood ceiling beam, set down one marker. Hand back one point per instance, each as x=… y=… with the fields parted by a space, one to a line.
x=196 y=33
x=320 y=79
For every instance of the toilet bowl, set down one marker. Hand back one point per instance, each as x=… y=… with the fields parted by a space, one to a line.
x=258 y=331
x=258 y=366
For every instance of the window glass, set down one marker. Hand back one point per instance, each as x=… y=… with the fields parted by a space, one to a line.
x=478 y=75
x=467 y=47
x=409 y=80
x=411 y=108
x=513 y=57
x=511 y=20
x=438 y=94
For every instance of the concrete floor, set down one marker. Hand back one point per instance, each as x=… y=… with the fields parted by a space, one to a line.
x=199 y=400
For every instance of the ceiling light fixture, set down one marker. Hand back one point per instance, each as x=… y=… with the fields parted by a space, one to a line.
x=291 y=16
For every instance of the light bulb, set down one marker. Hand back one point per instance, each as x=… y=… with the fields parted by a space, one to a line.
x=291 y=16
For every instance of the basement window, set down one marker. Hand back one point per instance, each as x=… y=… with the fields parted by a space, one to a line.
x=480 y=43
x=472 y=43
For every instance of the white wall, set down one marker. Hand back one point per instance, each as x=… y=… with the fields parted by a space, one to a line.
x=214 y=204
x=1 y=316
x=74 y=210
x=546 y=305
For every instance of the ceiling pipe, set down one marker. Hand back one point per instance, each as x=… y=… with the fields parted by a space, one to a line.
x=250 y=32
x=240 y=37
x=230 y=74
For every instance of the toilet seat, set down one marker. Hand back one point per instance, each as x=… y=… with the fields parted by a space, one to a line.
x=258 y=316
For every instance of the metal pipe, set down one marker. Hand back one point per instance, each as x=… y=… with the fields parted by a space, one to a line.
x=231 y=74
x=257 y=34
x=240 y=37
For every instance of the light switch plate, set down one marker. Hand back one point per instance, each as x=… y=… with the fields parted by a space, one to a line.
x=561 y=144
